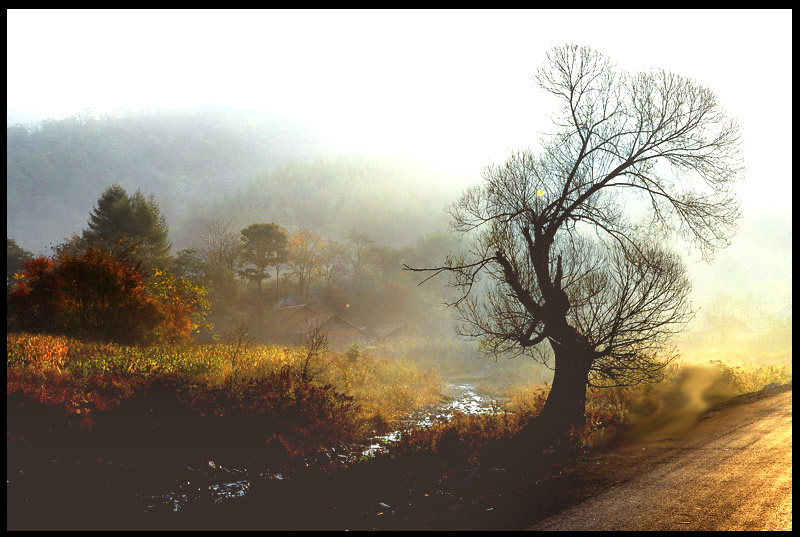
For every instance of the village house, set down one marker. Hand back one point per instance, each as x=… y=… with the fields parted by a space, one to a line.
x=289 y=324
x=385 y=331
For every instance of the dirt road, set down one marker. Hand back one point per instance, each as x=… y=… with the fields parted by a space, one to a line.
x=733 y=472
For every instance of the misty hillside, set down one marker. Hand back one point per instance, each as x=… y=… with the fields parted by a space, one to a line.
x=391 y=201
x=208 y=164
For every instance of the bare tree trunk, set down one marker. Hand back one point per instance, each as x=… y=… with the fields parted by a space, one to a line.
x=566 y=402
x=315 y=343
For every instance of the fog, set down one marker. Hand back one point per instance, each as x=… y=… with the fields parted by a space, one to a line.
x=423 y=99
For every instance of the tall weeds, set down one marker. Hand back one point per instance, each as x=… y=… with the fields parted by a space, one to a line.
x=85 y=378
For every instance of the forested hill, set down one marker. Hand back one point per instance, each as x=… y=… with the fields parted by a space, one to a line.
x=390 y=201
x=209 y=164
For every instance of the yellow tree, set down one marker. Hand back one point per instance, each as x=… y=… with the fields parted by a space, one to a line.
x=305 y=258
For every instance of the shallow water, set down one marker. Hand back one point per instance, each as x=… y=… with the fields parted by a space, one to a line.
x=213 y=482
x=462 y=398
x=209 y=482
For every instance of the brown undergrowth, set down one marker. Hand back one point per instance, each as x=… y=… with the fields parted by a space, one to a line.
x=169 y=402
x=344 y=401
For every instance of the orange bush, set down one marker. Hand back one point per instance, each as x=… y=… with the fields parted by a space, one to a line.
x=182 y=305
x=92 y=294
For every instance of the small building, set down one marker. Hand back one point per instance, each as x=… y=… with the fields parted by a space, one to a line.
x=290 y=324
x=384 y=331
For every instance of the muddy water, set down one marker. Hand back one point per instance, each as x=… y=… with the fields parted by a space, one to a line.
x=211 y=481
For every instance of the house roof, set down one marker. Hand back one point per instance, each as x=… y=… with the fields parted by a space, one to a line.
x=383 y=330
x=295 y=308
x=293 y=316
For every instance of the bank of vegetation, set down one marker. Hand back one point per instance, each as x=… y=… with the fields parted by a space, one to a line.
x=341 y=398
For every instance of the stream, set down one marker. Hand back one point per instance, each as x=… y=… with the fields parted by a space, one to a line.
x=461 y=398
x=217 y=483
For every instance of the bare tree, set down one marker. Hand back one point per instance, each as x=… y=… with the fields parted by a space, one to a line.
x=314 y=344
x=305 y=250
x=572 y=278
x=332 y=262
x=359 y=244
x=239 y=340
x=725 y=313
x=220 y=243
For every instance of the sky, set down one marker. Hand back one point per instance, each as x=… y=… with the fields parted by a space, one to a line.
x=451 y=88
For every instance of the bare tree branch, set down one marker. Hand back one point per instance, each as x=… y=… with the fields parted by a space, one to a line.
x=655 y=142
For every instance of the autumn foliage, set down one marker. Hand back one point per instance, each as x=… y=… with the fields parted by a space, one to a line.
x=98 y=296
x=181 y=305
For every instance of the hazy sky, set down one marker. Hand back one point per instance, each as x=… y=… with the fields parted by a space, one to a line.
x=453 y=88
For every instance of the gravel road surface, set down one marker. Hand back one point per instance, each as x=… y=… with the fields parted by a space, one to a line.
x=733 y=472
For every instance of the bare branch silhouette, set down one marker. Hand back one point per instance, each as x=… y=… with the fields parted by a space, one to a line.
x=571 y=241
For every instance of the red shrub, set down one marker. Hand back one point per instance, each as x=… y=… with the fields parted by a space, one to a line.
x=35 y=295
x=93 y=294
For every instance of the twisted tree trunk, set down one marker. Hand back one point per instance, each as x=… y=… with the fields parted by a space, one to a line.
x=566 y=402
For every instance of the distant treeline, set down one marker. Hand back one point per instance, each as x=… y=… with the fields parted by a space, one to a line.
x=210 y=163
x=120 y=280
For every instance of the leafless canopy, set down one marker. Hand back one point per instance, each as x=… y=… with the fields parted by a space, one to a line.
x=314 y=344
x=220 y=243
x=577 y=233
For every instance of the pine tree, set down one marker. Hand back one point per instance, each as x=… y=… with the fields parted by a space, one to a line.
x=129 y=227
x=263 y=245
x=15 y=256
